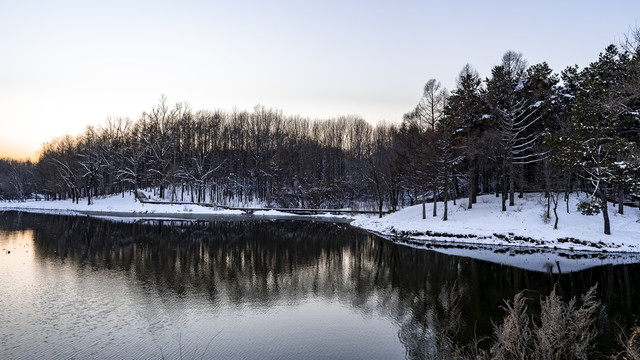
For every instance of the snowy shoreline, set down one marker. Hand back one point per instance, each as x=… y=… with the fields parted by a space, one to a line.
x=518 y=237
x=522 y=225
x=127 y=208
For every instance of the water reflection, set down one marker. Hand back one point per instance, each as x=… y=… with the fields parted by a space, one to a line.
x=313 y=270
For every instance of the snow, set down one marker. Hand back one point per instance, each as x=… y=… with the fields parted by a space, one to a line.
x=521 y=225
x=621 y=164
x=129 y=209
x=518 y=237
x=330 y=215
x=272 y=213
x=113 y=203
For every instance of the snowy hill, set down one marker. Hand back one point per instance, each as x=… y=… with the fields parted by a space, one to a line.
x=521 y=225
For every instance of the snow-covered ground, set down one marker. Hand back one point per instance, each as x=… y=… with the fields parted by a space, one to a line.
x=518 y=237
x=128 y=208
x=111 y=204
x=521 y=225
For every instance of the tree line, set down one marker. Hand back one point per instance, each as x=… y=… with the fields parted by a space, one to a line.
x=214 y=156
x=523 y=128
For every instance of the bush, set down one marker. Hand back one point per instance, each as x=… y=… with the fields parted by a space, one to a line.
x=630 y=345
x=564 y=331
x=590 y=207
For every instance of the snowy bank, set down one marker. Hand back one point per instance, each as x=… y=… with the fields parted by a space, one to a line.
x=128 y=208
x=518 y=237
x=521 y=225
x=110 y=204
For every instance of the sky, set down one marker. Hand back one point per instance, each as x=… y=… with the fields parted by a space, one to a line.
x=68 y=64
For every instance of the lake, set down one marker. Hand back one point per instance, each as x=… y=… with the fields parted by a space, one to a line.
x=78 y=287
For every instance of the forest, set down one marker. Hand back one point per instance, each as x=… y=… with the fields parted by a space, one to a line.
x=523 y=128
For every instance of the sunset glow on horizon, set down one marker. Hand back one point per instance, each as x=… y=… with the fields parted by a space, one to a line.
x=69 y=65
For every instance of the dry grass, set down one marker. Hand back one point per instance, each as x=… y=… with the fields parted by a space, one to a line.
x=630 y=345
x=512 y=338
x=564 y=331
x=448 y=322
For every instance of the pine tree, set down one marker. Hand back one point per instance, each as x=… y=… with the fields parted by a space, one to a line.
x=516 y=117
x=464 y=108
x=594 y=143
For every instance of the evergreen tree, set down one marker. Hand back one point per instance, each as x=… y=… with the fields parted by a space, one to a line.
x=516 y=116
x=594 y=143
x=465 y=109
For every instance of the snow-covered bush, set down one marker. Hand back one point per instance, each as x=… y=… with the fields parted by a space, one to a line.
x=590 y=207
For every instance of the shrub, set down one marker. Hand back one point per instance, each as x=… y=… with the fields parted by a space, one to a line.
x=565 y=330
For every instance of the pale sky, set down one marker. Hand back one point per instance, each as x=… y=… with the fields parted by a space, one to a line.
x=68 y=64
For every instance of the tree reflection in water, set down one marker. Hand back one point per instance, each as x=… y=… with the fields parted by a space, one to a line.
x=262 y=263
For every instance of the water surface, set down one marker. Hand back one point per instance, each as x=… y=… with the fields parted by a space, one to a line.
x=76 y=287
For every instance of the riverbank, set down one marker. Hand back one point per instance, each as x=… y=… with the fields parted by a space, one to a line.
x=518 y=237
x=128 y=208
x=522 y=225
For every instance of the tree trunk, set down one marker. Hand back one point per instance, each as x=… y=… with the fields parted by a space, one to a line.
x=503 y=187
x=512 y=189
x=424 y=207
x=473 y=182
x=567 y=191
x=471 y=190
x=435 y=201
x=620 y=200
x=547 y=178
x=474 y=197
x=89 y=185
x=455 y=190
x=446 y=195
x=605 y=212
x=555 y=210
x=394 y=193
